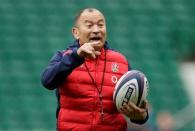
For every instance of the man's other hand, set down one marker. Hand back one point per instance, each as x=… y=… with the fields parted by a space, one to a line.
x=134 y=112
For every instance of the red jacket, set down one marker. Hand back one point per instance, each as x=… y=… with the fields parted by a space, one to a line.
x=80 y=83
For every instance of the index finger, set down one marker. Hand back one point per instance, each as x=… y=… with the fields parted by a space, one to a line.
x=95 y=44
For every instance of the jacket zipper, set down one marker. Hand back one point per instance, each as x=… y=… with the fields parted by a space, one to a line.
x=95 y=98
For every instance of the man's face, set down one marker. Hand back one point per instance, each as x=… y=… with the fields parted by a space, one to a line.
x=91 y=27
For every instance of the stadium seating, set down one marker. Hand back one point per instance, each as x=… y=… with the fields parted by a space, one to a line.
x=152 y=34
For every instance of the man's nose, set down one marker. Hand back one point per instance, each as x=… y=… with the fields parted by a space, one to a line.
x=96 y=29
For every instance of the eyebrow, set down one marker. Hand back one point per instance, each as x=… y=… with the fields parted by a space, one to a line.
x=87 y=21
x=101 y=20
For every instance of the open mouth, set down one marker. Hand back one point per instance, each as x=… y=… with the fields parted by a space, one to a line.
x=95 y=39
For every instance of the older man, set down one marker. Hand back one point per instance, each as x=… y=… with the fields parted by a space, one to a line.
x=84 y=76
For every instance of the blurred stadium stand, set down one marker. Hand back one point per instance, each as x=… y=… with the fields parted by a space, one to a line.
x=154 y=35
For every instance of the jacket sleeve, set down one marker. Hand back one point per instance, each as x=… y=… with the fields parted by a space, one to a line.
x=60 y=66
x=141 y=121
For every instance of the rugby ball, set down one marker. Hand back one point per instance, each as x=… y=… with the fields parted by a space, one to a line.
x=132 y=86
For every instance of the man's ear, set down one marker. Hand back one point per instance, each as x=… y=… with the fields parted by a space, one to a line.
x=75 y=32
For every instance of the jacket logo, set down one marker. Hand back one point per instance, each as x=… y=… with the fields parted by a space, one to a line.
x=115 y=67
x=114 y=79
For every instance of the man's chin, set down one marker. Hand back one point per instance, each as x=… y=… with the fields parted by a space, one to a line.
x=100 y=46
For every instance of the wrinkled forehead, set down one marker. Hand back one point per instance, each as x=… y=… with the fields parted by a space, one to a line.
x=91 y=15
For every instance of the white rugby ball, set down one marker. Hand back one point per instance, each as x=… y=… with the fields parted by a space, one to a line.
x=132 y=86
